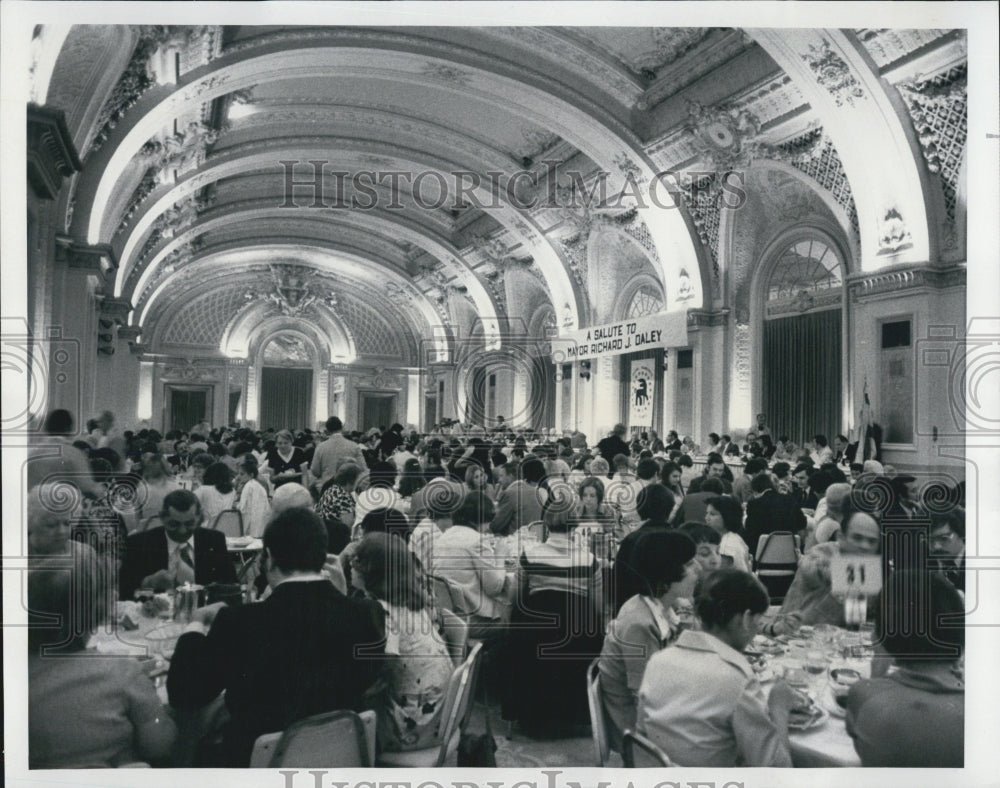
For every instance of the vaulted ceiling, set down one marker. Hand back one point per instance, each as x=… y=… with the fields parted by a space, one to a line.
x=378 y=182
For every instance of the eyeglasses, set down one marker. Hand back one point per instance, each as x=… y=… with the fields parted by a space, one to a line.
x=942 y=538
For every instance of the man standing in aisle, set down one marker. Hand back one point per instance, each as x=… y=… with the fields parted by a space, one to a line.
x=333 y=451
x=613 y=445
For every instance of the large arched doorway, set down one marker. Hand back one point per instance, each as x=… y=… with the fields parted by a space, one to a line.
x=286 y=383
x=802 y=375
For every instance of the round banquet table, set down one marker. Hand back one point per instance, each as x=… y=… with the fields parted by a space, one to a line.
x=827 y=743
x=192 y=725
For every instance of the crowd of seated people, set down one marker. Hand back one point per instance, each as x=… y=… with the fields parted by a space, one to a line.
x=552 y=554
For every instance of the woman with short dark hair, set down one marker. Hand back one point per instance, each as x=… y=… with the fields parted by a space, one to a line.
x=647 y=622
x=216 y=493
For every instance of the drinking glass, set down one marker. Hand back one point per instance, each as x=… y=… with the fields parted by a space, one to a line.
x=815 y=664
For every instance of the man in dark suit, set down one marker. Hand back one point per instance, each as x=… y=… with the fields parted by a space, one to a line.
x=176 y=552
x=947 y=547
x=803 y=496
x=614 y=444
x=770 y=511
x=715 y=469
x=305 y=650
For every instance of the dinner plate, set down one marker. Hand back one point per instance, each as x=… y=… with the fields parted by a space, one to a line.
x=817 y=715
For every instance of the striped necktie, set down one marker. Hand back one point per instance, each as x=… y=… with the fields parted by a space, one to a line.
x=185 y=565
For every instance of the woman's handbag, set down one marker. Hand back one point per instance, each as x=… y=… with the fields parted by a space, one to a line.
x=478 y=749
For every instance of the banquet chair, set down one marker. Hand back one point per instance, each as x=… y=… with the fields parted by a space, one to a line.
x=638 y=752
x=230 y=522
x=454 y=719
x=777 y=561
x=598 y=723
x=340 y=738
x=455 y=632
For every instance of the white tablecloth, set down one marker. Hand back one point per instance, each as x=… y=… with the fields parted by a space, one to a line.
x=827 y=744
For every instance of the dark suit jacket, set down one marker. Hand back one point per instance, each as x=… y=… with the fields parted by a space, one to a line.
x=305 y=650
x=769 y=513
x=805 y=499
x=697 y=481
x=146 y=553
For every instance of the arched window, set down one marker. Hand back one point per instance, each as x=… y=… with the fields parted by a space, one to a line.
x=801 y=364
x=646 y=301
x=807 y=275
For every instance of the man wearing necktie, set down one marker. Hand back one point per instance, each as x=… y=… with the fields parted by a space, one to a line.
x=179 y=551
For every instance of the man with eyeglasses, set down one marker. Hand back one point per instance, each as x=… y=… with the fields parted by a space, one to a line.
x=947 y=547
x=176 y=552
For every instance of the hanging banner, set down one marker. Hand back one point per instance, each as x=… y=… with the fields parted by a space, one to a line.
x=641 y=383
x=666 y=329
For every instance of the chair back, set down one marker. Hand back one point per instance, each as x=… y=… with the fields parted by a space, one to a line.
x=777 y=554
x=455 y=632
x=458 y=702
x=330 y=740
x=230 y=522
x=638 y=752
x=598 y=723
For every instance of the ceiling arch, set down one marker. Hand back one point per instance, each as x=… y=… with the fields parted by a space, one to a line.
x=183 y=173
x=594 y=136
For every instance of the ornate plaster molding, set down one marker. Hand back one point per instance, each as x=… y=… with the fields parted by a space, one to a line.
x=897 y=280
x=834 y=74
x=51 y=154
x=98 y=259
x=116 y=309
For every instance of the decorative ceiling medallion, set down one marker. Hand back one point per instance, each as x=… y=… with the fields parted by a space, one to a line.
x=685 y=288
x=833 y=73
x=893 y=235
x=295 y=290
x=725 y=137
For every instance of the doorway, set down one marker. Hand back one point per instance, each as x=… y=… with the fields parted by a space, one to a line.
x=187 y=406
x=285 y=398
x=376 y=409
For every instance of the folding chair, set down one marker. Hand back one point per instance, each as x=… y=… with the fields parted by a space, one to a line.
x=776 y=562
x=455 y=718
x=455 y=632
x=638 y=752
x=230 y=522
x=598 y=722
x=335 y=739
